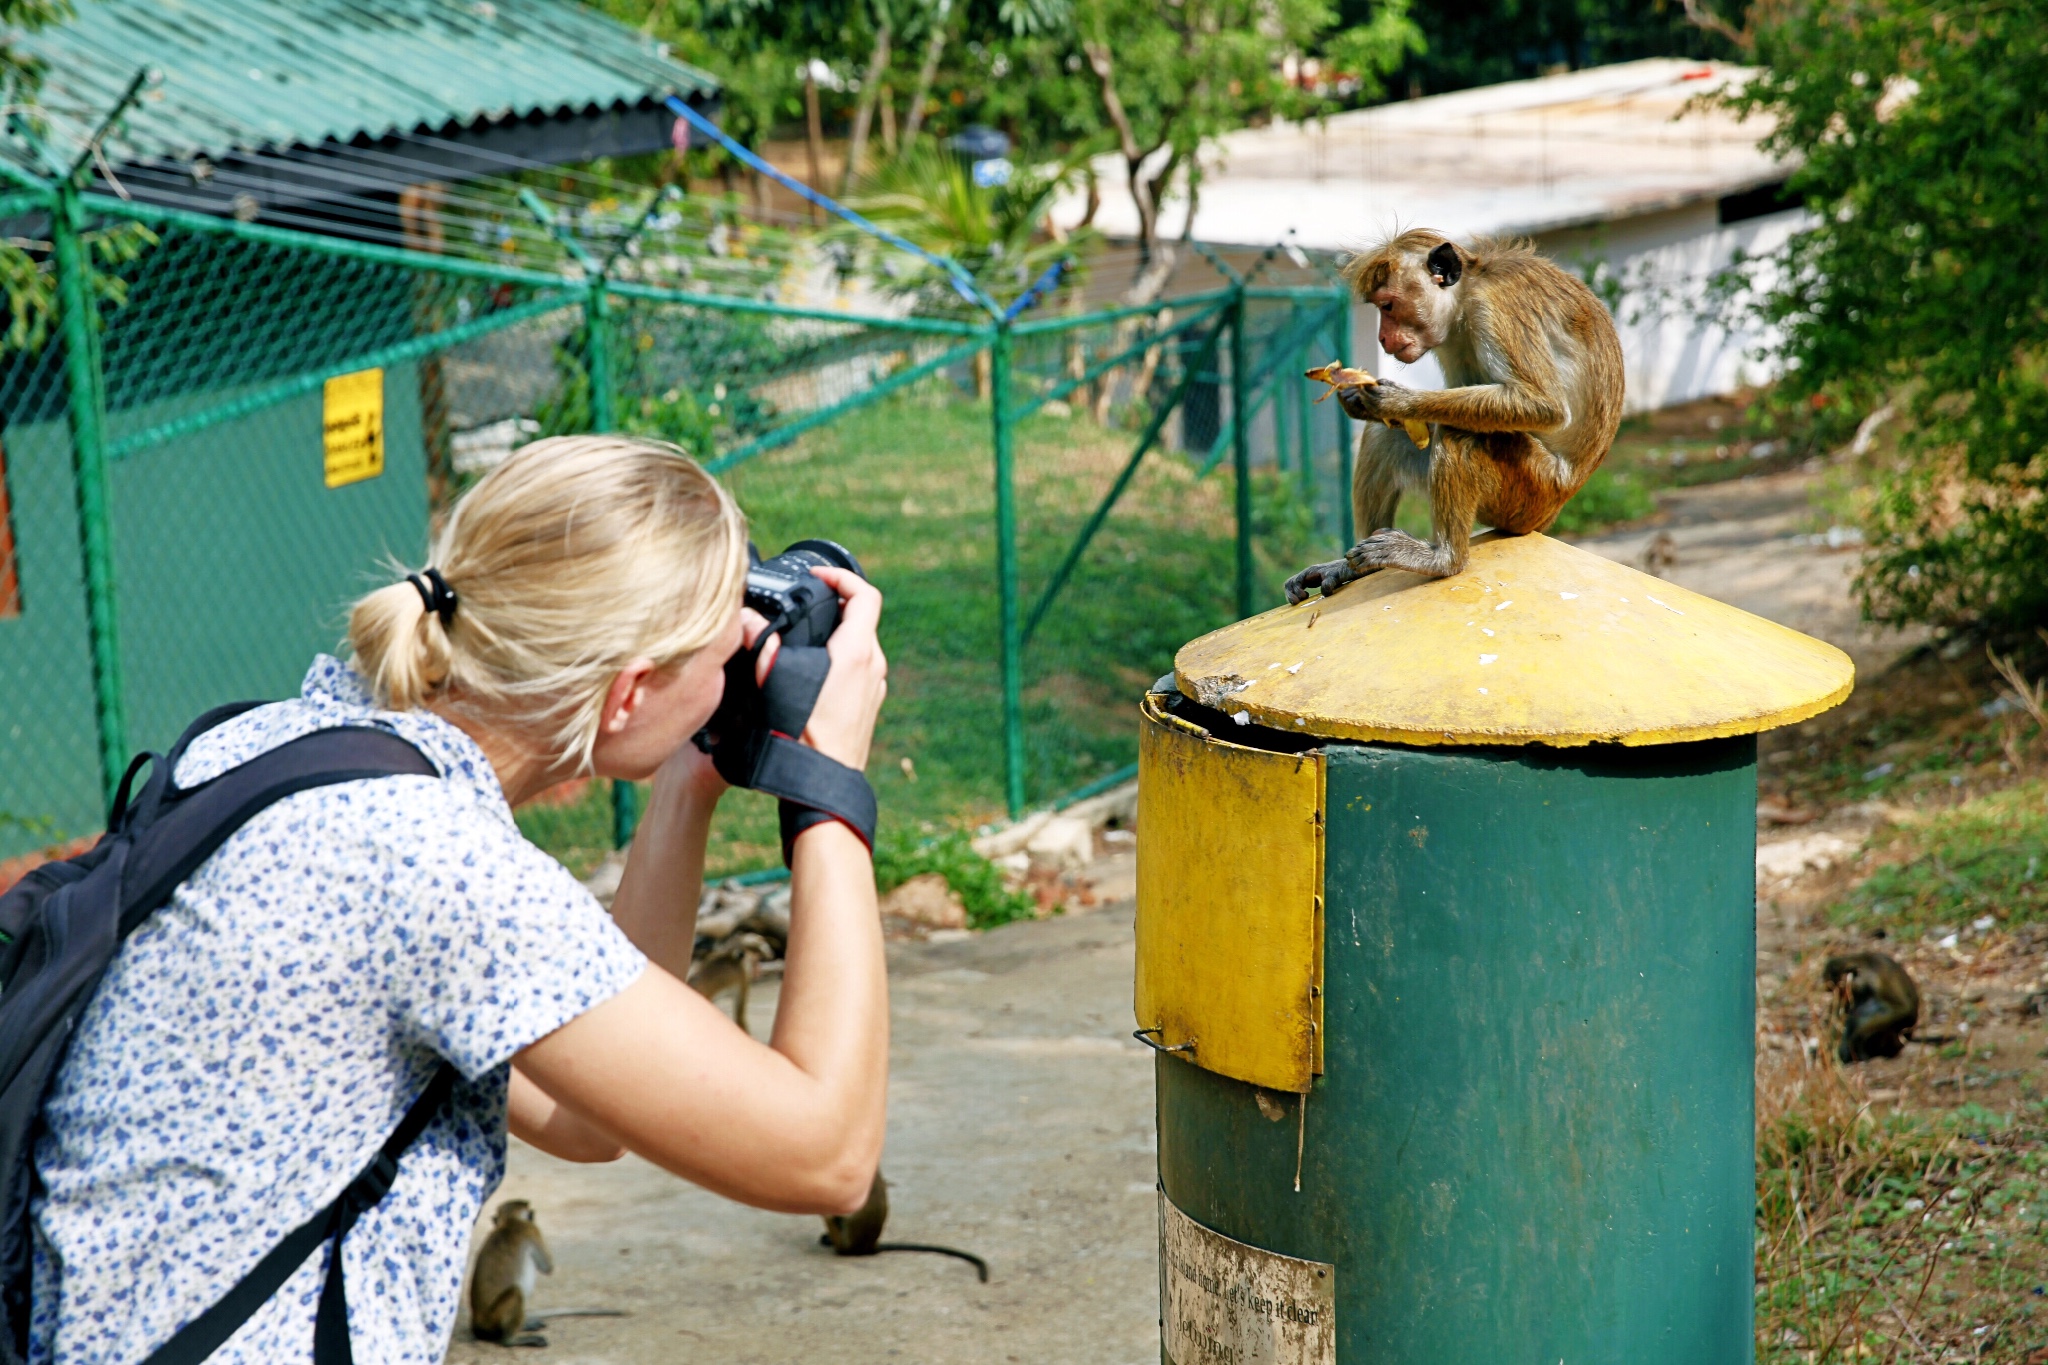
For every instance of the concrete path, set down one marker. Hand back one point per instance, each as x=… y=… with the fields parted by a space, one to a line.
x=1020 y=1128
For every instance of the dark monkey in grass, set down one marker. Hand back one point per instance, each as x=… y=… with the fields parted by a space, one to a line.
x=1535 y=376
x=1880 y=1005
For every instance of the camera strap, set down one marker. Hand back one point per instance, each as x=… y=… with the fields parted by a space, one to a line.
x=753 y=742
x=813 y=789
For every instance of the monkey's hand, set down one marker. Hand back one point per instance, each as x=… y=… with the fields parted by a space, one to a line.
x=1324 y=577
x=1385 y=401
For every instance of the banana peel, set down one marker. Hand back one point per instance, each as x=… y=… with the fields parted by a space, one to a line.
x=1337 y=376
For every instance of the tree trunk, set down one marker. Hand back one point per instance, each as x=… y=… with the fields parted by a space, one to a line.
x=889 y=122
x=870 y=91
x=927 y=72
x=814 y=143
x=1104 y=66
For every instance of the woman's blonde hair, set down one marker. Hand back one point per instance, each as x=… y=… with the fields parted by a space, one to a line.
x=575 y=557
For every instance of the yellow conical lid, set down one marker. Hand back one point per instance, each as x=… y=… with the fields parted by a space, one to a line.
x=1536 y=642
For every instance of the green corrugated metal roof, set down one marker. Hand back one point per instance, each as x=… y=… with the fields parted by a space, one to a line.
x=248 y=74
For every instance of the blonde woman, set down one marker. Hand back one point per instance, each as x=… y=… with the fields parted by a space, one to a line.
x=259 y=1038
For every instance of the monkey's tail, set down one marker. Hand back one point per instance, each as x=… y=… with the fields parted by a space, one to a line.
x=980 y=1266
x=537 y=1319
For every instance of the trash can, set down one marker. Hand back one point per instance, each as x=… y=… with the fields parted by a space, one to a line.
x=1446 y=940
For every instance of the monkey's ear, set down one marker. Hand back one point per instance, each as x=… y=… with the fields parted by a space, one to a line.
x=1445 y=265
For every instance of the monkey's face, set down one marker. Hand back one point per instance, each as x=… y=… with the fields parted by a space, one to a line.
x=1409 y=327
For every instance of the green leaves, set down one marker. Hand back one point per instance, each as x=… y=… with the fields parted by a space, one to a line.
x=1919 y=130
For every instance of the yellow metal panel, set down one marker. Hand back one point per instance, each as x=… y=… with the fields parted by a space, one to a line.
x=1229 y=903
x=1535 y=642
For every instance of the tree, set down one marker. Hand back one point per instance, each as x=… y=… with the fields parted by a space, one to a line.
x=21 y=74
x=1918 y=130
x=1480 y=42
x=1169 y=77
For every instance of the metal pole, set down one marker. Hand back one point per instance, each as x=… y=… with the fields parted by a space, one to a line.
x=89 y=471
x=1304 y=429
x=597 y=356
x=1340 y=337
x=1006 y=572
x=597 y=315
x=1241 y=454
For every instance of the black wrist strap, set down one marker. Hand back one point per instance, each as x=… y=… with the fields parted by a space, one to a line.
x=817 y=787
x=205 y=1334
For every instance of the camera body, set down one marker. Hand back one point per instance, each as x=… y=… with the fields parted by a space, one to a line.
x=753 y=737
x=797 y=605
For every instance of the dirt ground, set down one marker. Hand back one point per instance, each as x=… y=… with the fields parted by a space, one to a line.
x=1021 y=1120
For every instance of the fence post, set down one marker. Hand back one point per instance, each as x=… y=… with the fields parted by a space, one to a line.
x=597 y=355
x=1241 y=452
x=1340 y=338
x=89 y=471
x=1006 y=570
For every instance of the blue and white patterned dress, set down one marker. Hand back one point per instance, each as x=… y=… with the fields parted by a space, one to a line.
x=257 y=1040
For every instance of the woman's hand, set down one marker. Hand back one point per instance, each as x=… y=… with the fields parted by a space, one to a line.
x=842 y=724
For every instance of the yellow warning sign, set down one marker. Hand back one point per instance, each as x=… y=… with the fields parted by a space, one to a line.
x=352 y=427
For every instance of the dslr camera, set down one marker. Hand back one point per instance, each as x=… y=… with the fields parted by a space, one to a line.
x=753 y=737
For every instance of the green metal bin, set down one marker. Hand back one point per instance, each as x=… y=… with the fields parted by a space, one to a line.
x=1446 y=938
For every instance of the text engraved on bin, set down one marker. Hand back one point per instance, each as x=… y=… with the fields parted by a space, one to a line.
x=1226 y=1303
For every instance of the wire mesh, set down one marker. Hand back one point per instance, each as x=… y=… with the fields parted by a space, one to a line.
x=49 y=767
x=235 y=548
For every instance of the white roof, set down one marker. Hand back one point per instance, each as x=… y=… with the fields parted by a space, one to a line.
x=1531 y=156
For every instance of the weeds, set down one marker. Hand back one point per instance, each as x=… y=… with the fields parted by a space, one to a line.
x=1986 y=856
x=1893 y=1239
x=977 y=881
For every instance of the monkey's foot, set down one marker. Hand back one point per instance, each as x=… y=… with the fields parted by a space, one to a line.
x=1391 y=549
x=1326 y=577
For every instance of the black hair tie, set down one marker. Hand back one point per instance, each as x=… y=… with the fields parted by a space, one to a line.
x=435 y=594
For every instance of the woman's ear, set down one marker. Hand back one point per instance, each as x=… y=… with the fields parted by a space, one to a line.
x=622 y=700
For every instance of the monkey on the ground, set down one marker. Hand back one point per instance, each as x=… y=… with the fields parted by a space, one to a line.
x=1535 y=397
x=860 y=1233
x=1879 y=1001
x=514 y=1255
x=1660 y=554
x=731 y=967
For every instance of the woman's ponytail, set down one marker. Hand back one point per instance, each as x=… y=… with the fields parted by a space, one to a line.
x=400 y=647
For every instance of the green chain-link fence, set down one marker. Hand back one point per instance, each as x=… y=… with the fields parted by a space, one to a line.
x=1052 y=503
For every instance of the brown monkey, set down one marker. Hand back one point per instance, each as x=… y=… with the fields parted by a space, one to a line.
x=1880 y=1003
x=514 y=1255
x=730 y=967
x=860 y=1233
x=1535 y=371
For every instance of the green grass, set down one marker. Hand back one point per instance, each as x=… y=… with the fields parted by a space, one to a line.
x=1987 y=856
x=908 y=486
x=1611 y=497
x=1906 y=1237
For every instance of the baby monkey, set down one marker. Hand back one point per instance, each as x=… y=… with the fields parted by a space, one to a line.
x=860 y=1233
x=1880 y=1005
x=514 y=1255
x=1535 y=375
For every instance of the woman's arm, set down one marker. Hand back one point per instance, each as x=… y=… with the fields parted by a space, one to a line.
x=657 y=899
x=535 y=1118
x=795 y=1124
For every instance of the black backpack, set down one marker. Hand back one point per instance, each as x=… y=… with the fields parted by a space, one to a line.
x=60 y=927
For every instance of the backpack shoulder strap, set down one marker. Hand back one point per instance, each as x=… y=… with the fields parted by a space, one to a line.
x=192 y=825
x=205 y=1334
